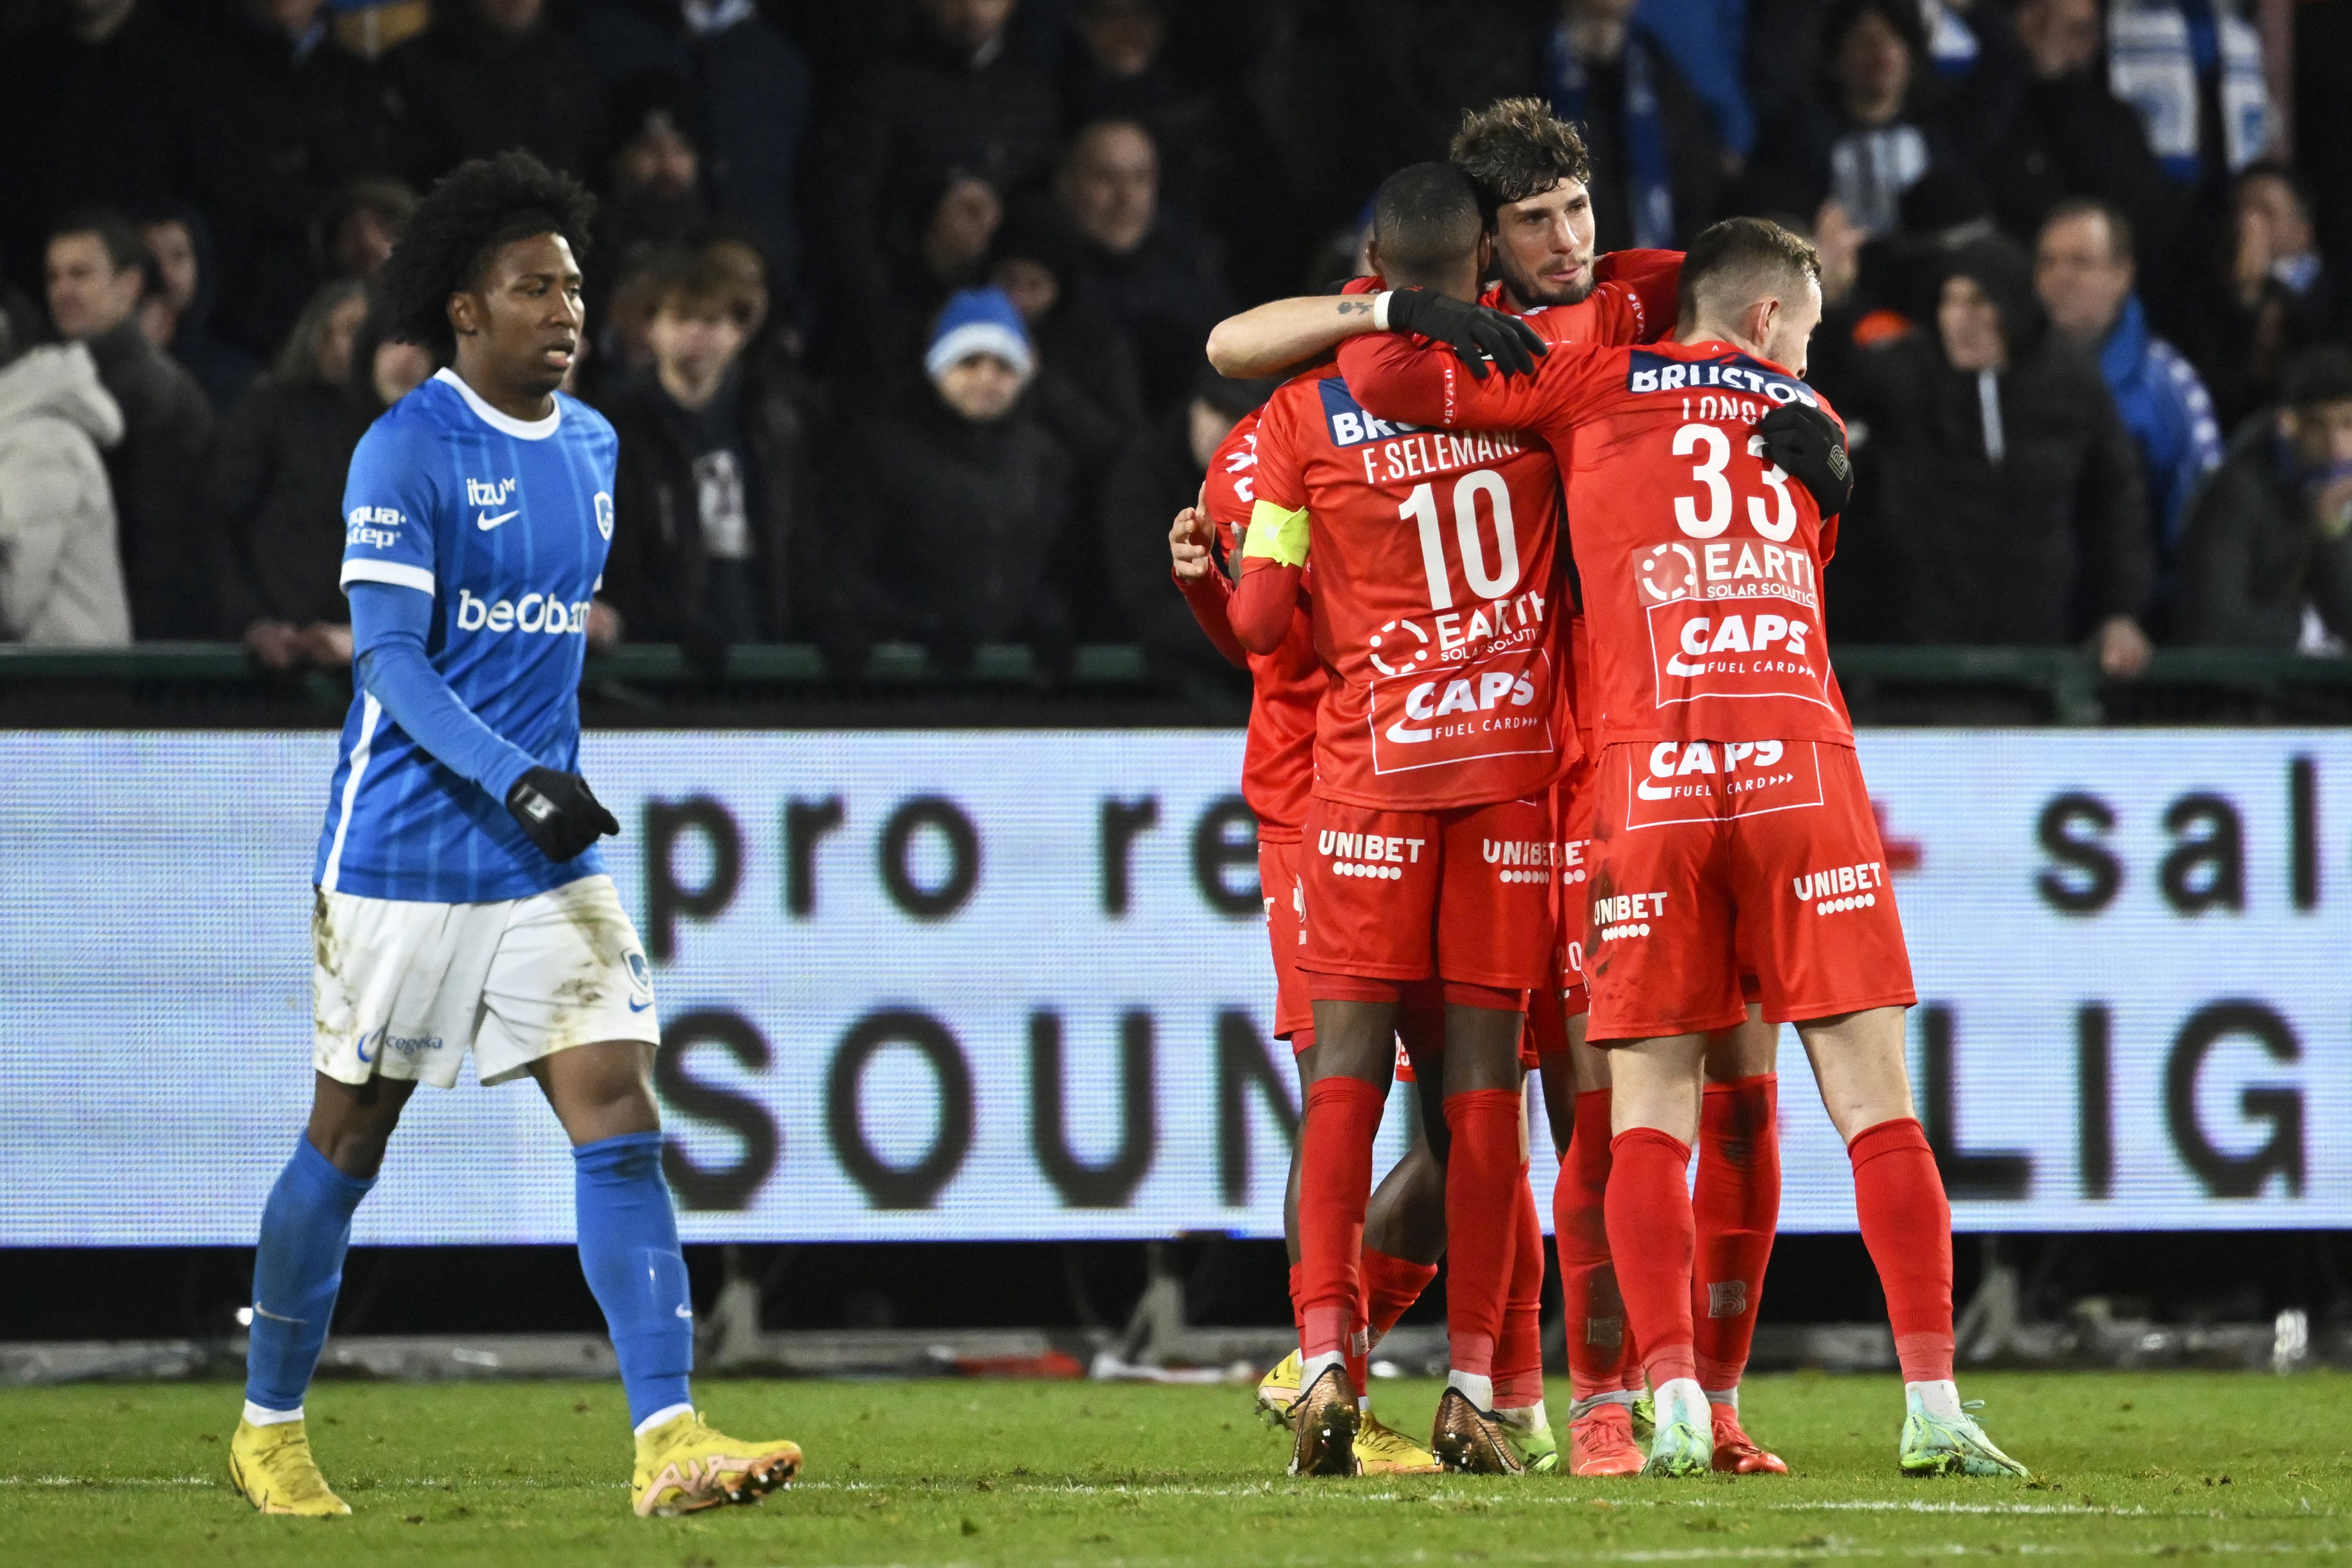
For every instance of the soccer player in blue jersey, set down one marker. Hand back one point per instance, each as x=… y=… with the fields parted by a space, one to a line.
x=461 y=903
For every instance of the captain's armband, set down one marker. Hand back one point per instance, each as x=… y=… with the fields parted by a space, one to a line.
x=1276 y=533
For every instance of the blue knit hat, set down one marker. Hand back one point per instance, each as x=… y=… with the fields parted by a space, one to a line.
x=980 y=321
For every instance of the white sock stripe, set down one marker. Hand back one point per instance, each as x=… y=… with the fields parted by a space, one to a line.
x=666 y=1413
x=254 y=1416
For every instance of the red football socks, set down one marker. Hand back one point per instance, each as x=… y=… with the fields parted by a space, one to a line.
x=1297 y=1288
x=1597 y=1341
x=1735 y=1204
x=1518 y=1356
x=1481 y=1222
x=1391 y=1285
x=1652 y=1238
x=1335 y=1183
x=1899 y=1195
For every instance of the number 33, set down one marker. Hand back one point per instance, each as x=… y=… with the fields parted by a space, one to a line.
x=1709 y=471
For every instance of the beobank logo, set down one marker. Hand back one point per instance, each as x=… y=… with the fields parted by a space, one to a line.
x=533 y=613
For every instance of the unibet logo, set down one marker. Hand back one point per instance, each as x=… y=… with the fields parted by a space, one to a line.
x=532 y=612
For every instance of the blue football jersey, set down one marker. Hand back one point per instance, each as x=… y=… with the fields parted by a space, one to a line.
x=505 y=523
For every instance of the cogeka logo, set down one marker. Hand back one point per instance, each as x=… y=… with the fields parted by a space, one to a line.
x=541 y=612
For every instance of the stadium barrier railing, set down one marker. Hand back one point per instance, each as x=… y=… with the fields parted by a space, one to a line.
x=43 y=687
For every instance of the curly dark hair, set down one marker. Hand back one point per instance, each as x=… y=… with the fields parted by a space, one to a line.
x=471 y=211
x=1515 y=147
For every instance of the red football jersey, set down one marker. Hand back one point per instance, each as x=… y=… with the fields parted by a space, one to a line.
x=1279 y=756
x=1432 y=556
x=1700 y=563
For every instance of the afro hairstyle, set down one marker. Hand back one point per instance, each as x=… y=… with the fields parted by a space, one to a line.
x=477 y=207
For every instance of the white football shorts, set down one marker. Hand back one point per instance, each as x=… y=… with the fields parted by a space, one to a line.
x=405 y=989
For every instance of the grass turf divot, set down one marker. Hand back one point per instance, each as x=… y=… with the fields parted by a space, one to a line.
x=2127 y=1467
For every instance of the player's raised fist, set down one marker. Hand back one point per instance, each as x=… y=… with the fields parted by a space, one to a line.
x=1474 y=333
x=560 y=813
x=1809 y=446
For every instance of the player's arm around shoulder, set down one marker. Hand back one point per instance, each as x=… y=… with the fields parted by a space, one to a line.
x=1640 y=292
x=1271 y=338
x=1414 y=382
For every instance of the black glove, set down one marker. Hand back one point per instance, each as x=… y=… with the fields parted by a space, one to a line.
x=1474 y=333
x=560 y=813
x=1809 y=446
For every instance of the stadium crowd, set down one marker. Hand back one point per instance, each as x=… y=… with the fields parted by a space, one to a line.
x=899 y=309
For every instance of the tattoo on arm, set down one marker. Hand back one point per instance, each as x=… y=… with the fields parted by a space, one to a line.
x=1355 y=306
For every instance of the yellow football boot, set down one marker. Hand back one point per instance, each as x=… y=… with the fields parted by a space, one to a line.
x=683 y=1465
x=1277 y=1390
x=1382 y=1451
x=272 y=1468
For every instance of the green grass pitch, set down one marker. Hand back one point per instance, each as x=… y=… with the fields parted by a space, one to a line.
x=2127 y=1467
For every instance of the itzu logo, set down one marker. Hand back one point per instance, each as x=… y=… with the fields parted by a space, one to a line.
x=531 y=612
x=488 y=492
x=375 y=526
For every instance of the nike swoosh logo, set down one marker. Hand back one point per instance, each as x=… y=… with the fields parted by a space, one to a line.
x=638 y=1006
x=485 y=522
x=686 y=1312
x=1649 y=791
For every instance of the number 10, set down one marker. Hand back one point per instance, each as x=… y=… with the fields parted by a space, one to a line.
x=1421 y=508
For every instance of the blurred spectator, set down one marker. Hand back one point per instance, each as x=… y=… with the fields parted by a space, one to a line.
x=1708 y=39
x=2006 y=485
x=273 y=489
x=61 y=573
x=357 y=228
x=178 y=315
x=950 y=519
x=2278 y=296
x=1656 y=166
x=490 y=75
x=1155 y=273
x=654 y=183
x=93 y=111
x=2267 y=559
x=2083 y=275
x=2073 y=137
x=284 y=116
x=1119 y=70
x=749 y=92
x=713 y=543
x=1079 y=345
x=2193 y=72
x=1879 y=118
x=1159 y=475
x=97 y=273
x=957 y=110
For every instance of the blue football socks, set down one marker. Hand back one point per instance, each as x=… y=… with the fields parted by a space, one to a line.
x=629 y=1250
x=306 y=1227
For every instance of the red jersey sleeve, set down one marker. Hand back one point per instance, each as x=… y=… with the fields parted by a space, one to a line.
x=1209 y=598
x=1646 y=288
x=1231 y=488
x=1404 y=379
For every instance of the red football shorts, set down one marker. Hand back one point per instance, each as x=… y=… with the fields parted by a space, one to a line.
x=1575 y=800
x=1462 y=895
x=1278 y=879
x=1712 y=858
